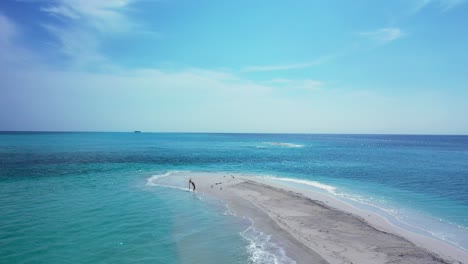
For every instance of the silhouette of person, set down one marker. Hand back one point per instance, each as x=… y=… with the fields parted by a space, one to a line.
x=191 y=183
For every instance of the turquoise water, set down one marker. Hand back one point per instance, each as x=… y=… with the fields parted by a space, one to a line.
x=84 y=197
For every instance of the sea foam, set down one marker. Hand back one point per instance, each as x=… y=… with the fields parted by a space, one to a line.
x=315 y=184
x=163 y=180
x=283 y=144
x=262 y=249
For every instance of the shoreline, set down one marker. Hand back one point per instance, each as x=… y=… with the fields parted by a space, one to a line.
x=315 y=227
x=435 y=245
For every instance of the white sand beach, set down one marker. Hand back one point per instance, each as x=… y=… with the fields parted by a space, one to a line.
x=316 y=228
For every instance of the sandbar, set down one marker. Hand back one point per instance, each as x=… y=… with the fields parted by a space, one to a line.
x=316 y=228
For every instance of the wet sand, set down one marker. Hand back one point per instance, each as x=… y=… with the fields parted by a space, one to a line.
x=316 y=228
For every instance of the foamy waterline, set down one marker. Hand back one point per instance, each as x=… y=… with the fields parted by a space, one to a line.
x=152 y=181
x=393 y=216
x=315 y=184
x=262 y=249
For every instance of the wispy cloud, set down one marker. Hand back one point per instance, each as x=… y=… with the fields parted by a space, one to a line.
x=80 y=46
x=285 y=67
x=384 y=35
x=101 y=15
x=82 y=24
x=11 y=52
x=149 y=99
x=303 y=84
x=444 y=5
x=61 y=11
x=7 y=29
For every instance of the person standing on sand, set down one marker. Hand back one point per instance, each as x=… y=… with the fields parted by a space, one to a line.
x=190 y=182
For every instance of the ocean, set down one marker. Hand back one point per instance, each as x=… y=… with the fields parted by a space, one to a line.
x=89 y=197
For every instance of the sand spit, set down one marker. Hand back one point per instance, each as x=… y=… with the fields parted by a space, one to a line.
x=313 y=228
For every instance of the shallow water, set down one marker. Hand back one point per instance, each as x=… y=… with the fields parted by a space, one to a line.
x=83 y=197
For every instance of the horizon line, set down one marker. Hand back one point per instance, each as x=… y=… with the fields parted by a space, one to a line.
x=194 y=132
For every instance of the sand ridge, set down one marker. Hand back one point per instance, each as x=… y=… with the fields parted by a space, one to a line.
x=310 y=230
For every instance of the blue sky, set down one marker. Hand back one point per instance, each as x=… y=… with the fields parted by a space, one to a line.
x=235 y=66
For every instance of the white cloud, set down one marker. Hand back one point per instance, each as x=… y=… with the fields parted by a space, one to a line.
x=191 y=99
x=7 y=32
x=384 y=35
x=10 y=51
x=201 y=100
x=61 y=11
x=83 y=24
x=83 y=49
x=303 y=84
x=7 y=29
x=80 y=46
x=444 y=5
x=285 y=67
x=146 y=99
x=151 y=99
x=104 y=16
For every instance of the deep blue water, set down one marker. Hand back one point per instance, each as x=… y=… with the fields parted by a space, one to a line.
x=83 y=197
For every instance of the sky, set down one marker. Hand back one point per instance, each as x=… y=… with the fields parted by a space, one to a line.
x=386 y=67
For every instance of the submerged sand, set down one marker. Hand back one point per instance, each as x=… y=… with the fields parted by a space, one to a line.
x=313 y=228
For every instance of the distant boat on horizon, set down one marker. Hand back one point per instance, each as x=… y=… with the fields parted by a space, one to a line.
x=137 y=131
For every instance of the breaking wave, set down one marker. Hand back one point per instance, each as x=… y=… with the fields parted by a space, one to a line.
x=283 y=144
x=263 y=250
